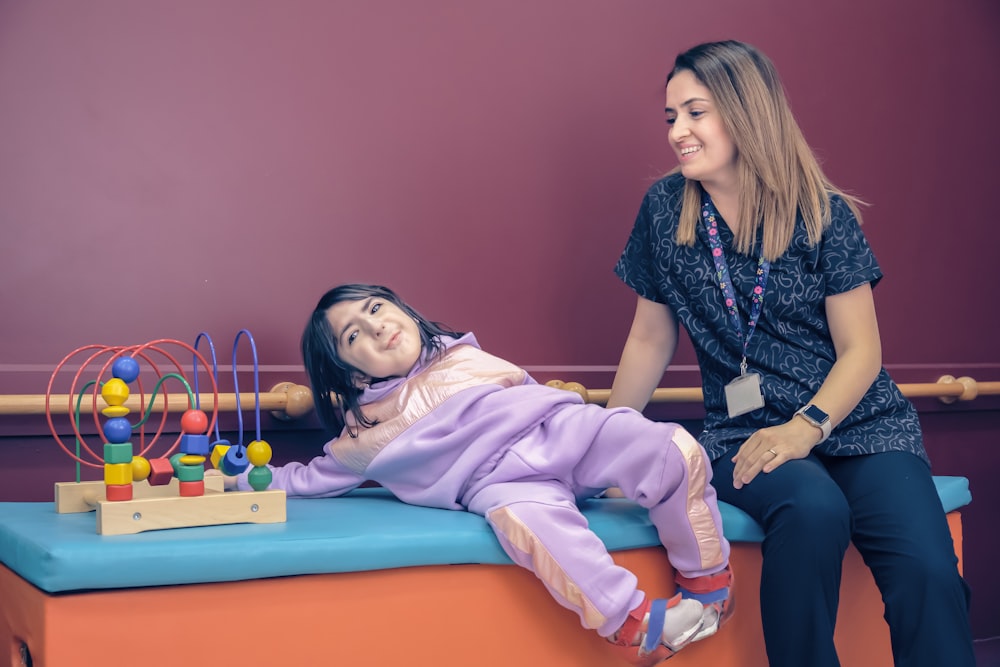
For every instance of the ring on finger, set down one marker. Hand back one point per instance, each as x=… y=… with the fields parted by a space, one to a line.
x=773 y=452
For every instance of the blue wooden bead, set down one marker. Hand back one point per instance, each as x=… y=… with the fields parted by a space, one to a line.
x=125 y=368
x=117 y=429
x=193 y=443
x=235 y=461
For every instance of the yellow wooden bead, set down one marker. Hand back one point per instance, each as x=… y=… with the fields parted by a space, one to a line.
x=259 y=453
x=192 y=459
x=140 y=468
x=117 y=473
x=218 y=452
x=115 y=411
x=115 y=391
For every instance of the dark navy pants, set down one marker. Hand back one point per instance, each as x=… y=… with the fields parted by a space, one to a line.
x=886 y=503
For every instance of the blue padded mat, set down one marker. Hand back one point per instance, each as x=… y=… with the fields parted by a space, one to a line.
x=365 y=530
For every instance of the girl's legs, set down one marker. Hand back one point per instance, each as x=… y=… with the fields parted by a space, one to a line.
x=662 y=468
x=541 y=528
x=902 y=534
x=807 y=527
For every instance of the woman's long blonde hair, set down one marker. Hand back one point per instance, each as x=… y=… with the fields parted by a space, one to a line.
x=778 y=173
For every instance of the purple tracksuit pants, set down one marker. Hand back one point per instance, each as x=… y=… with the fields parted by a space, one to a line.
x=530 y=499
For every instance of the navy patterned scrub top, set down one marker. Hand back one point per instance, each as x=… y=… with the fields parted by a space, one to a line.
x=791 y=349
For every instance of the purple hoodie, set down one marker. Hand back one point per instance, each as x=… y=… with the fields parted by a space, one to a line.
x=440 y=429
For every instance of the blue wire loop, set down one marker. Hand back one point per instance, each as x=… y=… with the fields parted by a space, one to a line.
x=215 y=373
x=256 y=383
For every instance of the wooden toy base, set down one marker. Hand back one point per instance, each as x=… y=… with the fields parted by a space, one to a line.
x=440 y=616
x=161 y=507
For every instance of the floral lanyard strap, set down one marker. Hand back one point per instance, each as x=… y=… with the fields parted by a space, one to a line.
x=708 y=214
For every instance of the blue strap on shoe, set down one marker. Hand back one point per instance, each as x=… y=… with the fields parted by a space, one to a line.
x=719 y=595
x=654 y=628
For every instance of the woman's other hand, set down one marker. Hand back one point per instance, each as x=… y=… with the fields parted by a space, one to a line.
x=769 y=447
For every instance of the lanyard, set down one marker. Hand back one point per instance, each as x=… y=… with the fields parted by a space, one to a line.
x=708 y=213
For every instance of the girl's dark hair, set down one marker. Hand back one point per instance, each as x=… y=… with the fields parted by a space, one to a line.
x=332 y=380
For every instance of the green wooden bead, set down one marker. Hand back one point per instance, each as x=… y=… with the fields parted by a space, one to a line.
x=259 y=478
x=189 y=473
x=118 y=452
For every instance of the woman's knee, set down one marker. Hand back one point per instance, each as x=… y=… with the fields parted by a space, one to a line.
x=816 y=515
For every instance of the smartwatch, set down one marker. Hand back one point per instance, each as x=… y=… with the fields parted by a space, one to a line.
x=817 y=418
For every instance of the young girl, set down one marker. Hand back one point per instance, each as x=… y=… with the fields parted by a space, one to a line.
x=440 y=423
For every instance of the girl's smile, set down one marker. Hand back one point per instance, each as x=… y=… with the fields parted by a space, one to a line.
x=375 y=337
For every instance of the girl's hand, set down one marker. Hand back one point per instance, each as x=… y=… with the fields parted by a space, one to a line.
x=769 y=447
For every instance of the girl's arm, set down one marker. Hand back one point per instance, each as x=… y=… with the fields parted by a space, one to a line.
x=854 y=328
x=648 y=350
x=323 y=477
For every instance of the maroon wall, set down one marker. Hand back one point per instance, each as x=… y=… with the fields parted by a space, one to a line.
x=169 y=168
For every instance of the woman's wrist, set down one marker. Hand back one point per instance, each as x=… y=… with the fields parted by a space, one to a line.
x=817 y=418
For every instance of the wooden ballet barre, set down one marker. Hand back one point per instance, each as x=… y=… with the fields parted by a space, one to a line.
x=285 y=400
x=288 y=401
x=947 y=388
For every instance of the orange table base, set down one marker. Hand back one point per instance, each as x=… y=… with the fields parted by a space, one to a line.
x=460 y=615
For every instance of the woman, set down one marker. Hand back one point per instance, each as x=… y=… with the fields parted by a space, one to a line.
x=762 y=260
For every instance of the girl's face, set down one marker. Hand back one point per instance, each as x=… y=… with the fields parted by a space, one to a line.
x=376 y=337
x=698 y=135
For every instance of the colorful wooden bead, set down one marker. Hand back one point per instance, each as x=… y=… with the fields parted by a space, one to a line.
x=219 y=449
x=192 y=460
x=192 y=443
x=125 y=368
x=235 y=461
x=115 y=411
x=259 y=478
x=259 y=452
x=194 y=421
x=140 y=468
x=161 y=471
x=117 y=473
x=189 y=473
x=114 y=392
x=117 y=429
x=118 y=492
x=118 y=452
x=191 y=489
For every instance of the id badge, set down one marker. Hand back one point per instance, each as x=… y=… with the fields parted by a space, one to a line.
x=744 y=395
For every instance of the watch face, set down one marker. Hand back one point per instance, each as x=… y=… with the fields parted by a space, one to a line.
x=815 y=414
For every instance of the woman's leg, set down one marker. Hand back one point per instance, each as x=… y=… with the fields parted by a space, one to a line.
x=902 y=534
x=807 y=527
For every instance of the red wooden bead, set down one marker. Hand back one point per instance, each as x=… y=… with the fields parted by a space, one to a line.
x=118 y=492
x=190 y=489
x=161 y=471
x=194 y=421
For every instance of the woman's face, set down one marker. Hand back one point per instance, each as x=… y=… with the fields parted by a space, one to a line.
x=376 y=337
x=697 y=133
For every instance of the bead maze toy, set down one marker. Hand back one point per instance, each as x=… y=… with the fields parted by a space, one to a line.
x=140 y=491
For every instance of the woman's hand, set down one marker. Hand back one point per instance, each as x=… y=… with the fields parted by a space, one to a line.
x=769 y=447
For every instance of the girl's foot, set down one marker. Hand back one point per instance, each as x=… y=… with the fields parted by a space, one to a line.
x=715 y=592
x=655 y=631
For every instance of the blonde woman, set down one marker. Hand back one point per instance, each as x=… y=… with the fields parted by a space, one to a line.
x=762 y=260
